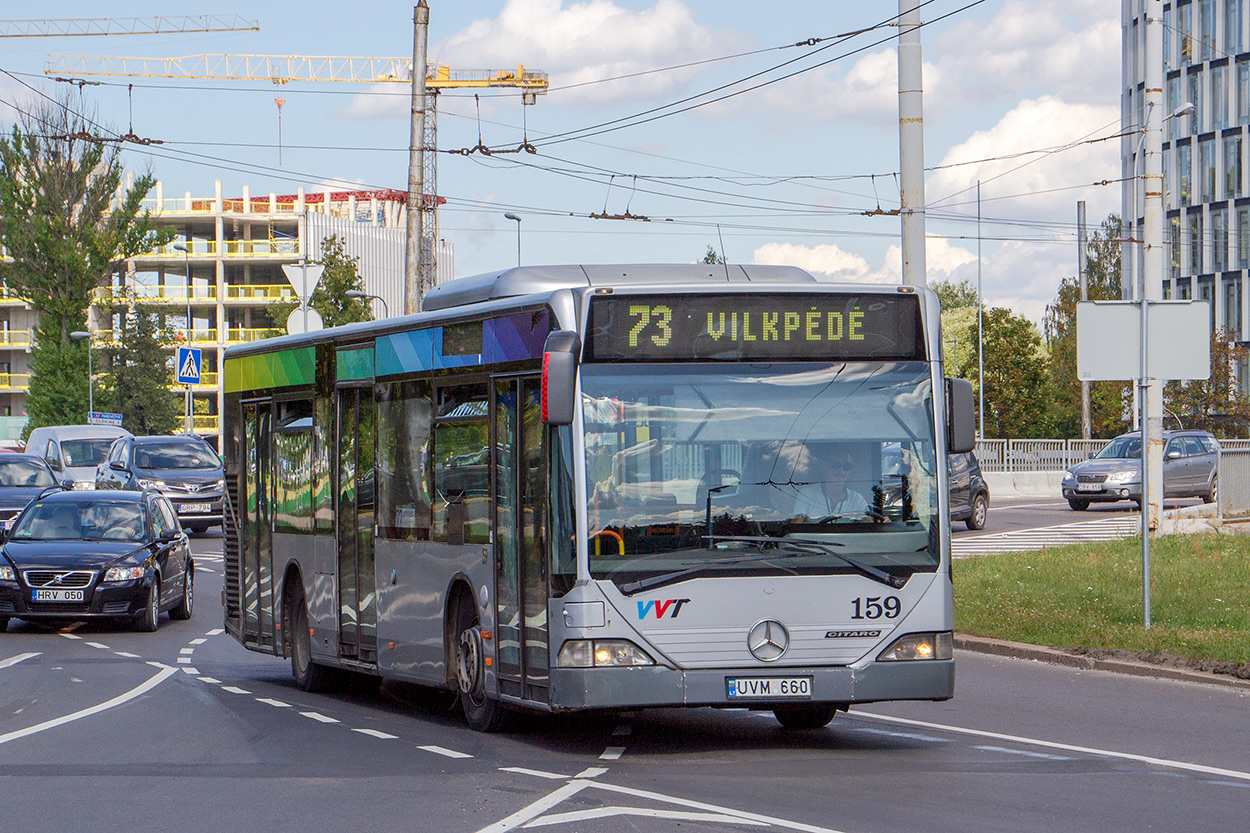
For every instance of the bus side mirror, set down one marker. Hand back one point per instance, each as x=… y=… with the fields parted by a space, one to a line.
x=961 y=421
x=560 y=376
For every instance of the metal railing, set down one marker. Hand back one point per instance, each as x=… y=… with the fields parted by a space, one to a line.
x=1234 y=492
x=154 y=294
x=1016 y=456
x=259 y=291
x=14 y=381
x=15 y=338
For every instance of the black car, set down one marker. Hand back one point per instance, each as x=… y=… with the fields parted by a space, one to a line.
x=184 y=469
x=970 y=497
x=22 y=478
x=74 y=555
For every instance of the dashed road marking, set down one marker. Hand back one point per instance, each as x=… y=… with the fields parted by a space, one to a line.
x=209 y=680
x=199 y=641
x=127 y=655
x=215 y=632
x=99 y=645
x=612 y=753
x=374 y=733
x=70 y=635
x=320 y=718
x=234 y=689
x=591 y=772
x=447 y=753
x=277 y=704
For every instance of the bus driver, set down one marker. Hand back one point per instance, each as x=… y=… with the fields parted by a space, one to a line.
x=824 y=495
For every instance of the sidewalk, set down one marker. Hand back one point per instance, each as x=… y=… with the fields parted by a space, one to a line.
x=1058 y=656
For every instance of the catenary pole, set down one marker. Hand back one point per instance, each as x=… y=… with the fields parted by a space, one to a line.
x=1083 y=281
x=416 y=161
x=911 y=142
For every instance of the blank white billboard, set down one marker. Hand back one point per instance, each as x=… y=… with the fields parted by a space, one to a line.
x=1108 y=340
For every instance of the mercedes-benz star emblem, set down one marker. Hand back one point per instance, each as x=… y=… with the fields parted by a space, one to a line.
x=768 y=640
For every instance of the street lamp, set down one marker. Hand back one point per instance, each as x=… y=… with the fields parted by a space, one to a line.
x=356 y=293
x=186 y=256
x=79 y=335
x=511 y=216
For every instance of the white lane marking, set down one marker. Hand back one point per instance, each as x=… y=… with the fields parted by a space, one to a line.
x=99 y=645
x=212 y=680
x=277 y=704
x=320 y=718
x=194 y=672
x=234 y=689
x=137 y=691
x=612 y=753
x=199 y=641
x=739 y=815
x=536 y=809
x=908 y=735
x=520 y=770
x=1066 y=747
x=184 y=660
x=607 y=812
x=160 y=665
x=11 y=661
x=126 y=654
x=215 y=632
x=186 y=651
x=591 y=772
x=69 y=635
x=1023 y=752
x=374 y=733
x=449 y=753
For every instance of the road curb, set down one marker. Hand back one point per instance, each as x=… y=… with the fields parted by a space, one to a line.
x=1058 y=656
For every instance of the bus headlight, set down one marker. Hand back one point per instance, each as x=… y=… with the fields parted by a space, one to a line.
x=915 y=646
x=602 y=653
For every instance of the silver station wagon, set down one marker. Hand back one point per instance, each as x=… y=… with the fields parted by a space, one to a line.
x=1189 y=470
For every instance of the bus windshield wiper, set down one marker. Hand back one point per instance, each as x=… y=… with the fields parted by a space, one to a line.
x=812 y=546
x=631 y=587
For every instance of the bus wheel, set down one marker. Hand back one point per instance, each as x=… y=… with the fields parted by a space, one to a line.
x=309 y=676
x=805 y=715
x=481 y=712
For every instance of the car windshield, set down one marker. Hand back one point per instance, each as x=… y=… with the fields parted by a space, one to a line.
x=25 y=473
x=87 y=452
x=685 y=463
x=86 y=520
x=177 y=454
x=1121 y=448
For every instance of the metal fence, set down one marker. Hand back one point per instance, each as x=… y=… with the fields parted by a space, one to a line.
x=1054 y=455
x=1234 y=493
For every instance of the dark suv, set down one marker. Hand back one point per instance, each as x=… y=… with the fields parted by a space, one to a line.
x=184 y=469
x=970 y=497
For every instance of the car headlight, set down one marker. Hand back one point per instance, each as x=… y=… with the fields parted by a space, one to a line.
x=220 y=484
x=6 y=573
x=124 y=573
x=1123 y=476
x=602 y=653
x=1068 y=476
x=918 y=646
x=143 y=483
x=83 y=485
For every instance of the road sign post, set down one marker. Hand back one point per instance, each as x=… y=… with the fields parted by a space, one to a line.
x=190 y=362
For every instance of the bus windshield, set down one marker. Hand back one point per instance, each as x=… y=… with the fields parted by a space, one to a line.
x=759 y=469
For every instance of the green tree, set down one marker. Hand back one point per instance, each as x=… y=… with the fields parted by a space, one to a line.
x=1017 y=383
x=138 y=376
x=1216 y=404
x=329 y=299
x=1107 y=399
x=64 y=223
x=712 y=256
x=956 y=295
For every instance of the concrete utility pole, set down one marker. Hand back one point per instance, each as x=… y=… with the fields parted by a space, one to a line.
x=1152 y=274
x=1082 y=243
x=911 y=142
x=416 y=162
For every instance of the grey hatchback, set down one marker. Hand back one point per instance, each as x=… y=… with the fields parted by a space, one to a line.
x=1189 y=470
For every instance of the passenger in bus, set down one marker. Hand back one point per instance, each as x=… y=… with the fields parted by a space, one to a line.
x=824 y=495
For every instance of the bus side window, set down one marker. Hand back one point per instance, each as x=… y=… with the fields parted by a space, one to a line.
x=461 y=462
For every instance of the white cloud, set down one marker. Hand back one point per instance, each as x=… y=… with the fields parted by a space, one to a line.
x=575 y=43
x=828 y=261
x=381 y=100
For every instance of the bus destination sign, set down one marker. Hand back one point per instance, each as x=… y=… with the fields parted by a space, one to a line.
x=754 y=327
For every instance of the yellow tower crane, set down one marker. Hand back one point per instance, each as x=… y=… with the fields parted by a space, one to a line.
x=281 y=69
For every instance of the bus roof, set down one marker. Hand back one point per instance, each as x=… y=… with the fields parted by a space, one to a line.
x=532 y=280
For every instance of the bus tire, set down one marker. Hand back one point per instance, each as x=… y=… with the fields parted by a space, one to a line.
x=309 y=676
x=805 y=715
x=481 y=712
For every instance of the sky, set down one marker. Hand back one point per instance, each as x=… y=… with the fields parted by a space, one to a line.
x=766 y=131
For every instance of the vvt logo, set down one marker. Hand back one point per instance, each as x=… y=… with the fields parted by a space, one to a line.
x=660 y=607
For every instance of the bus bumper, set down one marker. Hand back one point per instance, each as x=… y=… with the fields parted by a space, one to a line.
x=600 y=688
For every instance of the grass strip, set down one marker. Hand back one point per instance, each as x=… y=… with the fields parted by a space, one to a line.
x=1089 y=596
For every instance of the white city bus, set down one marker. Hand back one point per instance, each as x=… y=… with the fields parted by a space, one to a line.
x=602 y=487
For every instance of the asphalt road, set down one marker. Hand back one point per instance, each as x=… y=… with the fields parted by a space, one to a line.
x=110 y=729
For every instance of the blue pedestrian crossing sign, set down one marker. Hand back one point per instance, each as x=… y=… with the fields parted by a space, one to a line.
x=189 y=362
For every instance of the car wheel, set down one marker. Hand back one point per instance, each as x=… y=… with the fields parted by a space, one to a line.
x=1078 y=504
x=309 y=676
x=805 y=715
x=149 y=619
x=1213 y=494
x=481 y=712
x=183 y=610
x=980 y=509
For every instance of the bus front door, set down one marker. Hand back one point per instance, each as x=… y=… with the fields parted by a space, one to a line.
x=520 y=539
x=257 y=545
x=358 y=616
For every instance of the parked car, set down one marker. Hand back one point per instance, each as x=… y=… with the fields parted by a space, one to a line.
x=22 y=478
x=74 y=555
x=74 y=451
x=970 y=496
x=184 y=469
x=1189 y=470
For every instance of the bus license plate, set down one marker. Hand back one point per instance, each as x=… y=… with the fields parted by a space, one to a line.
x=194 y=507
x=769 y=688
x=58 y=595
